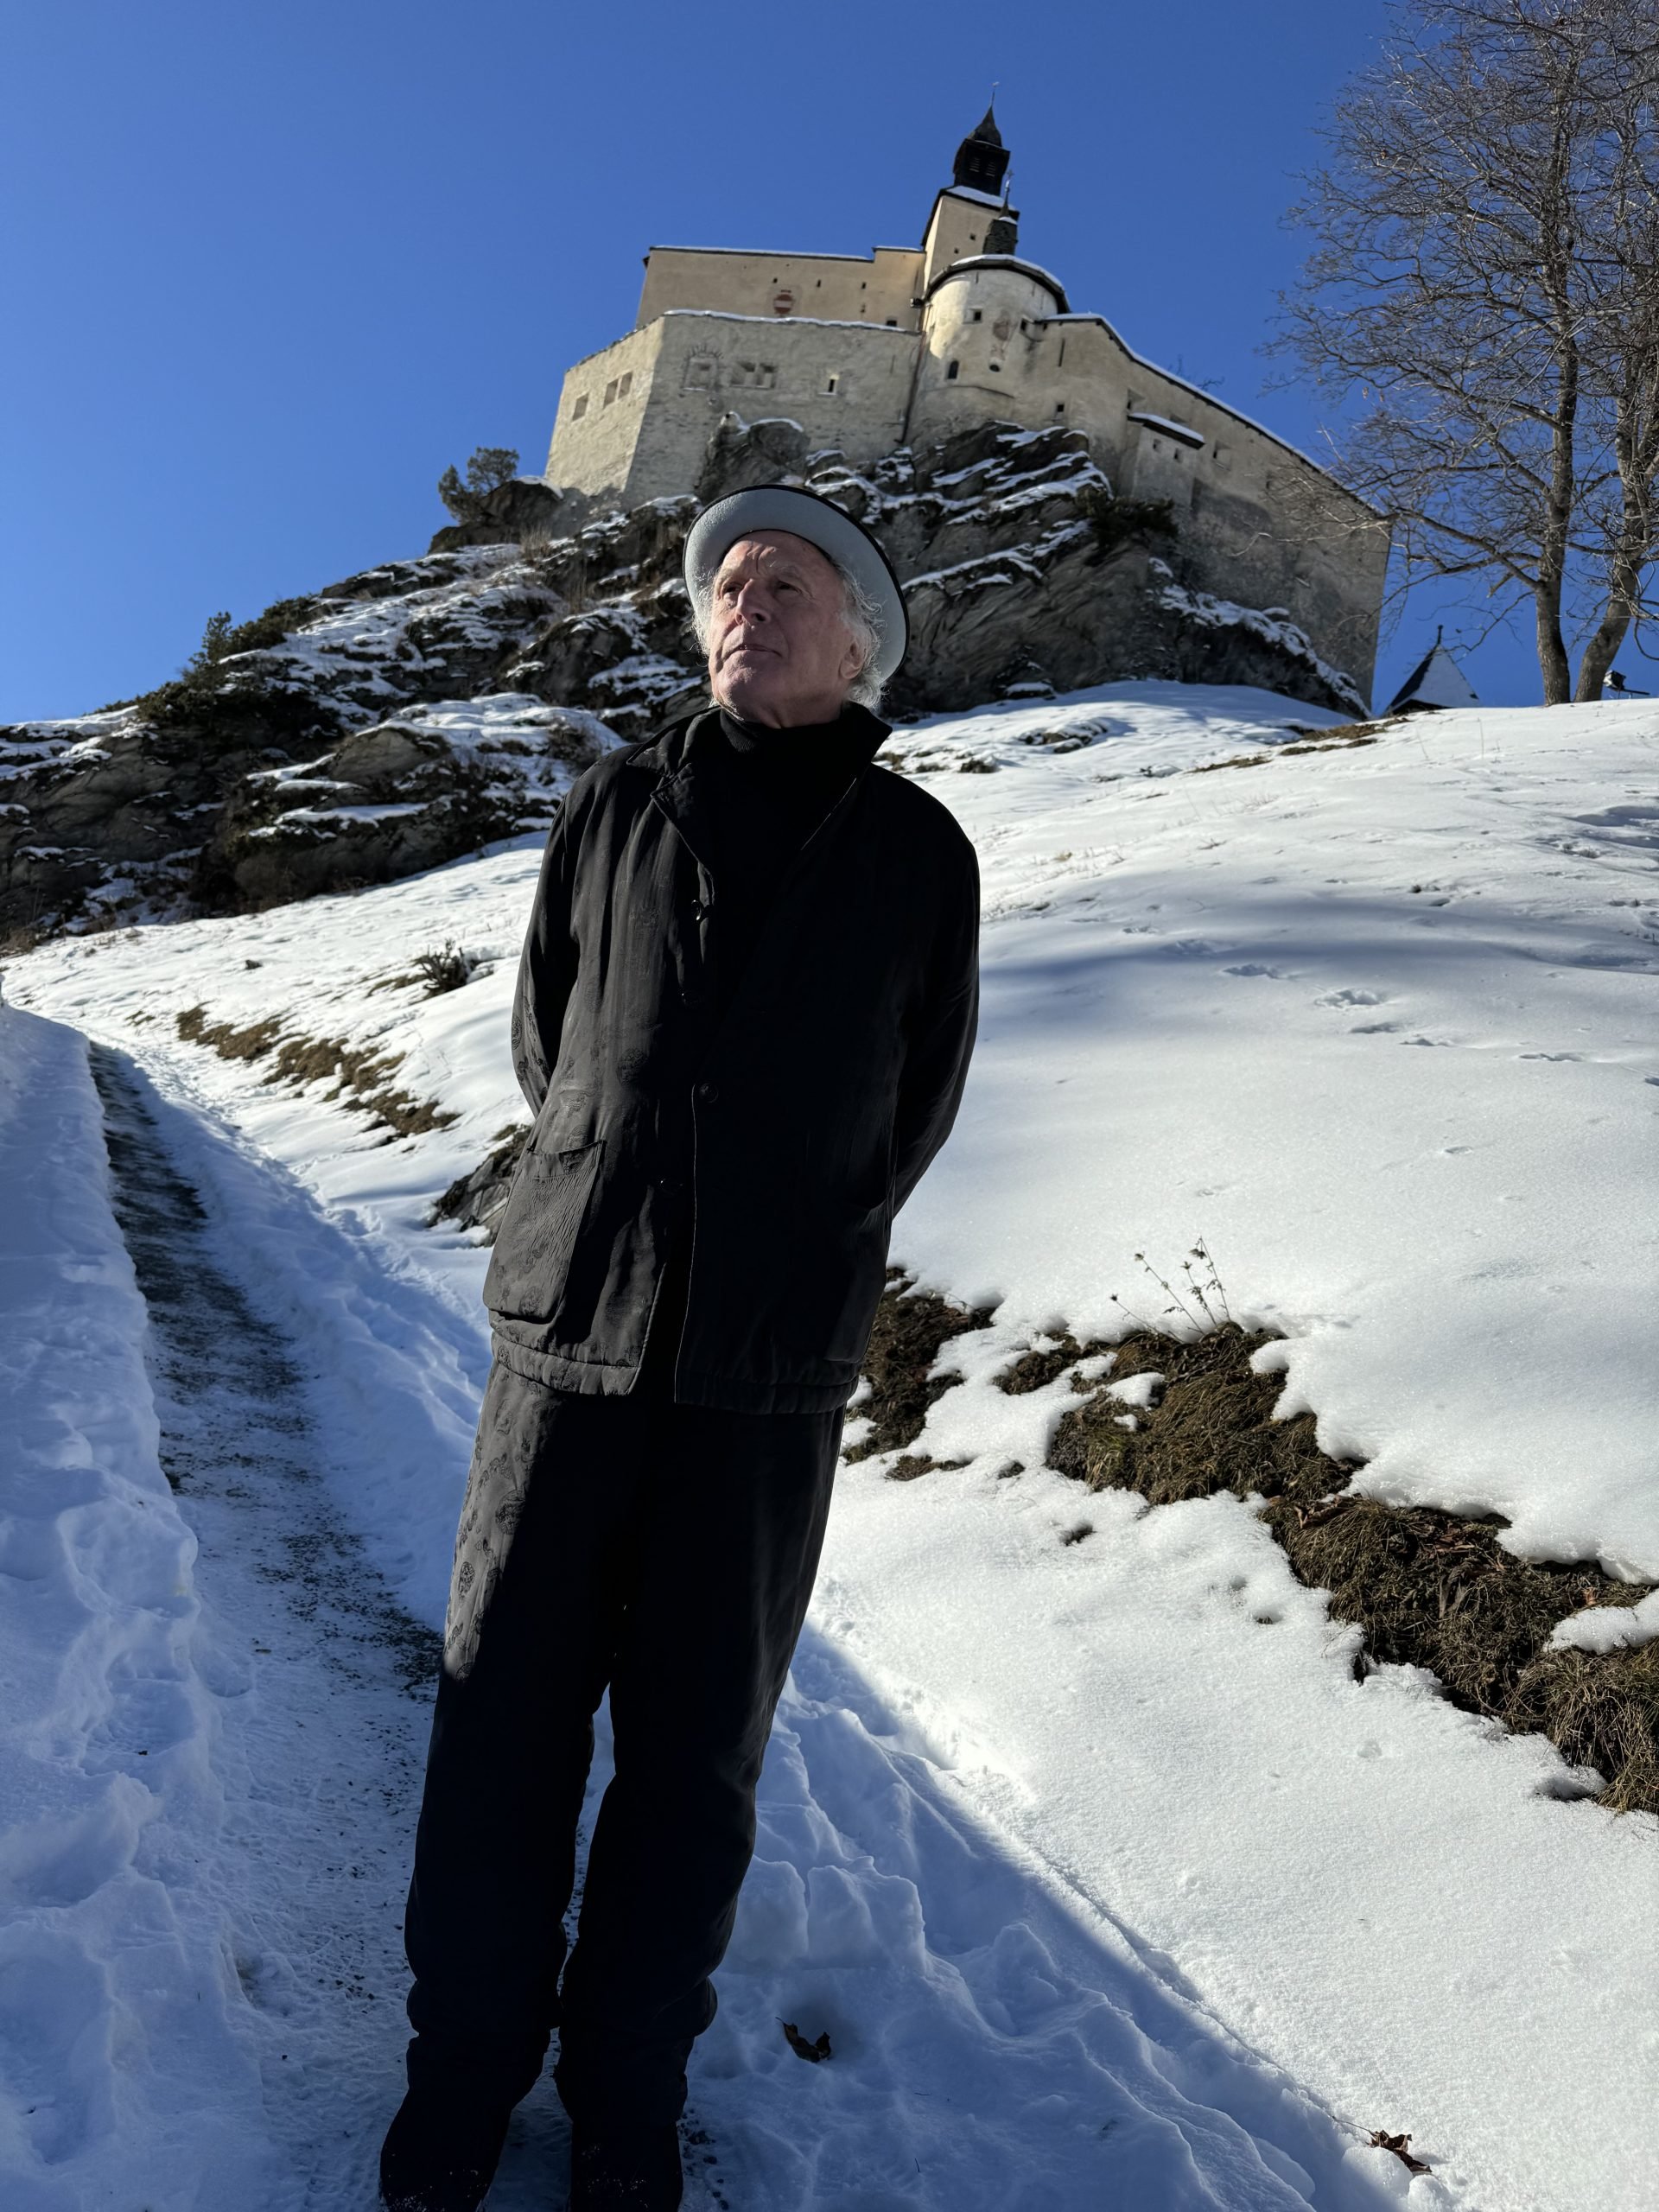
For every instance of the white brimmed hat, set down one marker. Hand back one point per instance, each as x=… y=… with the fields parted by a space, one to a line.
x=803 y=514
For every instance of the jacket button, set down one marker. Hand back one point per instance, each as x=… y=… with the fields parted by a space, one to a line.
x=708 y=1093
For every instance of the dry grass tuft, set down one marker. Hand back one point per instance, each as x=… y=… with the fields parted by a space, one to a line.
x=1600 y=1709
x=361 y=1076
x=909 y=1332
x=1037 y=1369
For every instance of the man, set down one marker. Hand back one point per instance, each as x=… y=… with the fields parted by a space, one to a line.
x=743 y=1021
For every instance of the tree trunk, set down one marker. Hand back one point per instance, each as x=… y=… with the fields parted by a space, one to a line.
x=1624 y=589
x=1553 y=664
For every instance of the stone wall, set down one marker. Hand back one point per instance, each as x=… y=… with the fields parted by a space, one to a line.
x=847 y=385
x=882 y=287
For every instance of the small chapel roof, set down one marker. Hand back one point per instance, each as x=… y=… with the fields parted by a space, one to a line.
x=1435 y=682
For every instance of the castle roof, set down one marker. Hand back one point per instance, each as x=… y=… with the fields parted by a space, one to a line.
x=1031 y=268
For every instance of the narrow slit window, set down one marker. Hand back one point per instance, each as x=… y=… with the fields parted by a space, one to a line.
x=579 y=409
x=950 y=372
x=610 y=392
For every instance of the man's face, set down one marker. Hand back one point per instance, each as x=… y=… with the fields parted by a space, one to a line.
x=780 y=650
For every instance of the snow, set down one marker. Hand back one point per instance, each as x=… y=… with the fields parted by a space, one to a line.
x=1182 y=431
x=125 y=2076
x=1076 y=1811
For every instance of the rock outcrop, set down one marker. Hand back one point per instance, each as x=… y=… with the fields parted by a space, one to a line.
x=406 y=715
x=520 y=510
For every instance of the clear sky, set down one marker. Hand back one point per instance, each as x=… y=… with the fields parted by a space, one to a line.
x=269 y=269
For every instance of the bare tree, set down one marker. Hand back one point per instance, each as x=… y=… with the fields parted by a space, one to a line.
x=1483 y=284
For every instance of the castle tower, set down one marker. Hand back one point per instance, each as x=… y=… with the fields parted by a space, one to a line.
x=971 y=215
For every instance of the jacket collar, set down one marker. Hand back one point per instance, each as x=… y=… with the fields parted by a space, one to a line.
x=683 y=796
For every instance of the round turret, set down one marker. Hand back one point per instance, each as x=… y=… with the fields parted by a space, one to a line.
x=983 y=328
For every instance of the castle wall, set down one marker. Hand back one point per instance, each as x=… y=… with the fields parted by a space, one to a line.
x=883 y=286
x=847 y=384
x=1258 y=521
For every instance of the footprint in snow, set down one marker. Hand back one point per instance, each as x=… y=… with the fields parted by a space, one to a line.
x=1346 y=998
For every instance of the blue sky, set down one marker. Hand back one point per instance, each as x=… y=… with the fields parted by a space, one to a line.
x=270 y=270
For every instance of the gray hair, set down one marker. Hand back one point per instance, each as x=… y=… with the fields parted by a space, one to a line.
x=858 y=610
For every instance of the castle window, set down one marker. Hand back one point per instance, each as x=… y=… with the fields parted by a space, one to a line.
x=702 y=372
x=893 y=322
x=625 y=384
x=579 y=409
x=829 y=383
x=1059 y=407
x=610 y=392
x=950 y=372
x=978 y=315
x=755 y=376
x=996 y=368
x=1222 y=456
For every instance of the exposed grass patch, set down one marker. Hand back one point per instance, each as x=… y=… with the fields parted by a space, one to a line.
x=910 y=1329
x=1426 y=1588
x=1212 y=1428
x=1036 y=1369
x=1340 y=737
x=361 y=1076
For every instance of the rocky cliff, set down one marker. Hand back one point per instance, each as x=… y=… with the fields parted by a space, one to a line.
x=406 y=715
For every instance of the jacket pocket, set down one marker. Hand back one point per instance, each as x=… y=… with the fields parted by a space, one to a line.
x=539 y=1231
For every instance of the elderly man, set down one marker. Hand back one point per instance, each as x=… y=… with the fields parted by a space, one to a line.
x=743 y=1021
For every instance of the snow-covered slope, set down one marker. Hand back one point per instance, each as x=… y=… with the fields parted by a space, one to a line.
x=1375 y=1020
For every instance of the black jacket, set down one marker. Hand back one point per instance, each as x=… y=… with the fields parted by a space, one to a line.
x=768 y=1145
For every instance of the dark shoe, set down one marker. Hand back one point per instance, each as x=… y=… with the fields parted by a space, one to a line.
x=626 y=2169
x=441 y=2154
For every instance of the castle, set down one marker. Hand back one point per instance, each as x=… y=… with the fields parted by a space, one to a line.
x=908 y=346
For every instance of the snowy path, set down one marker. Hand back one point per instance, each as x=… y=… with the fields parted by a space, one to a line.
x=325 y=1688
x=997 y=2042
x=323 y=1682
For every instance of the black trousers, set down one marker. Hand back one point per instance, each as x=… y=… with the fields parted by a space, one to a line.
x=666 y=1552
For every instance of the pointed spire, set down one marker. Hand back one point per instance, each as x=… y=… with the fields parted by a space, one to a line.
x=982 y=159
x=986 y=131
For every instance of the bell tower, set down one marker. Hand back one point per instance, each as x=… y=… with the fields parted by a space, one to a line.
x=967 y=218
x=982 y=159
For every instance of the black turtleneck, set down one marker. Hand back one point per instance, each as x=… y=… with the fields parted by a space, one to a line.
x=768 y=791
